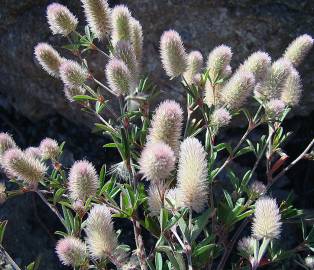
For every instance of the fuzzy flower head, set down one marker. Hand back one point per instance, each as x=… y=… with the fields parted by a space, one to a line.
x=48 y=58
x=236 y=91
x=72 y=73
x=218 y=59
x=192 y=175
x=246 y=246
x=309 y=262
x=6 y=142
x=274 y=108
x=292 y=89
x=258 y=63
x=3 y=195
x=71 y=251
x=298 y=49
x=97 y=13
x=212 y=97
x=118 y=76
x=275 y=80
x=166 y=125
x=49 y=149
x=157 y=161
x=172 y=53
x=257 y=189
x=60 y=19
x=267 y=217
x=137 y=38
x=121 y=24
x=220 y=117
x=83 y=180
x=194 y=66
x=71 y=92
x=34 y=152
x=25 y=167
x=100 y=237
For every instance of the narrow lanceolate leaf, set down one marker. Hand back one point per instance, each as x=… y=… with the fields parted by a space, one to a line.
x=3 y=224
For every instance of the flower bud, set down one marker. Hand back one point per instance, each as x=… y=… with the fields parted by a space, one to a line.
x=192 y=175
x=292 y=89
x=194 y=66
x=137 y=38
x=172 y=53
x=71 y=251
x=309 y=262
x=118 y=77
x=3 y=195
x=100 y=236
x=166 y=125
x=60 y=19
x=220 y=117
x=6 y=142
x=83 y=180
x=298 y=49
x=97 y=13
x=48 y=58
x=71 y=92
x=257 y=189
x=49 y=149
x=72 y=73
x=246 y=246
x=274 y=108
x=218 y=60
x=121 y=24
x=267 y=217
x=157 y=161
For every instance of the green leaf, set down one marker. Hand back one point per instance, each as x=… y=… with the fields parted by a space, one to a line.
x=158 y=261
x=175 y=219
x=83 y=98
x=58 y=194
x=3 y=225
x=228 y=199
x=110 y=145
x=200 y=223
x=163 y=218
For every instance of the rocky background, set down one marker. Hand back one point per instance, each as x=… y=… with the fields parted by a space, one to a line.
x=32 y=105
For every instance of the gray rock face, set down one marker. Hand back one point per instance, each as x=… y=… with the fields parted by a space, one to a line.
x=246 y=26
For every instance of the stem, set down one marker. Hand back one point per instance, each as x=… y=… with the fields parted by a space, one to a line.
x=9 y=259
x=189 y=252
x=139 y=244
x=104 y=86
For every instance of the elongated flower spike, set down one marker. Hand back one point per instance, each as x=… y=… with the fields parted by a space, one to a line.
x=118 y=77
x=49 y=149
x=218 y=59
x=166 y=125
x=25 y=167
x=97 y=13
x=267 y=217
x=220 y=117
x=71 y=92
x=298 y=49
x=172 y=53
x=100 y=236
x=192 y=175
x=157 y=161
x=258 y=63
x=60 y=19
x=71 y=251
x=292 y=89
x=72 y=73
x=48 y=58
x=121 y=24
x=246 y=246
x=274 y=82
x=194 y=66
x=137 y=38
x=6 y=142
x=236 y=91
x=83 y=180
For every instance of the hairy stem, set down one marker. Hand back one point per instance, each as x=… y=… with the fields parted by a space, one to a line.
x=139 y=244
x=8 y=258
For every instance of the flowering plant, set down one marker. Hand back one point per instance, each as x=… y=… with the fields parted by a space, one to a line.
x=168 y=183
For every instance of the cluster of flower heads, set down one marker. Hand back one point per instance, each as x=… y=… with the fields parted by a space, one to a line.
x=117 y=24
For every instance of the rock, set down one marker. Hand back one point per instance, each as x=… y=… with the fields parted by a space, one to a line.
x=246 y=26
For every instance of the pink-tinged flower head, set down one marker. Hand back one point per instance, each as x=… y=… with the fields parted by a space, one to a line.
x=298 y=49
x=274 y=108
x=121 y=24
x=25 y=167
x=194 y=66
x=236 y=91
x=49 y=148
x=71 y=251
x=292 y=89
x=257 y=189
x=118 y=76
x=192 y=175
x=72 y=73
x=60 y=19
x=172 y=53
x=218 y=59
x=258 y=63
x=83 y=180
x=275 y=80
x=97 y=13
x=3 y=195
x=100 y=237
x=157 y=161
x=166 y=125
x=71 y=92
x=6 y=142
x=137 y=38
x=267 y=217
x=220 y=117
x=34 y=152
x=48 y=58
x=246 y=246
